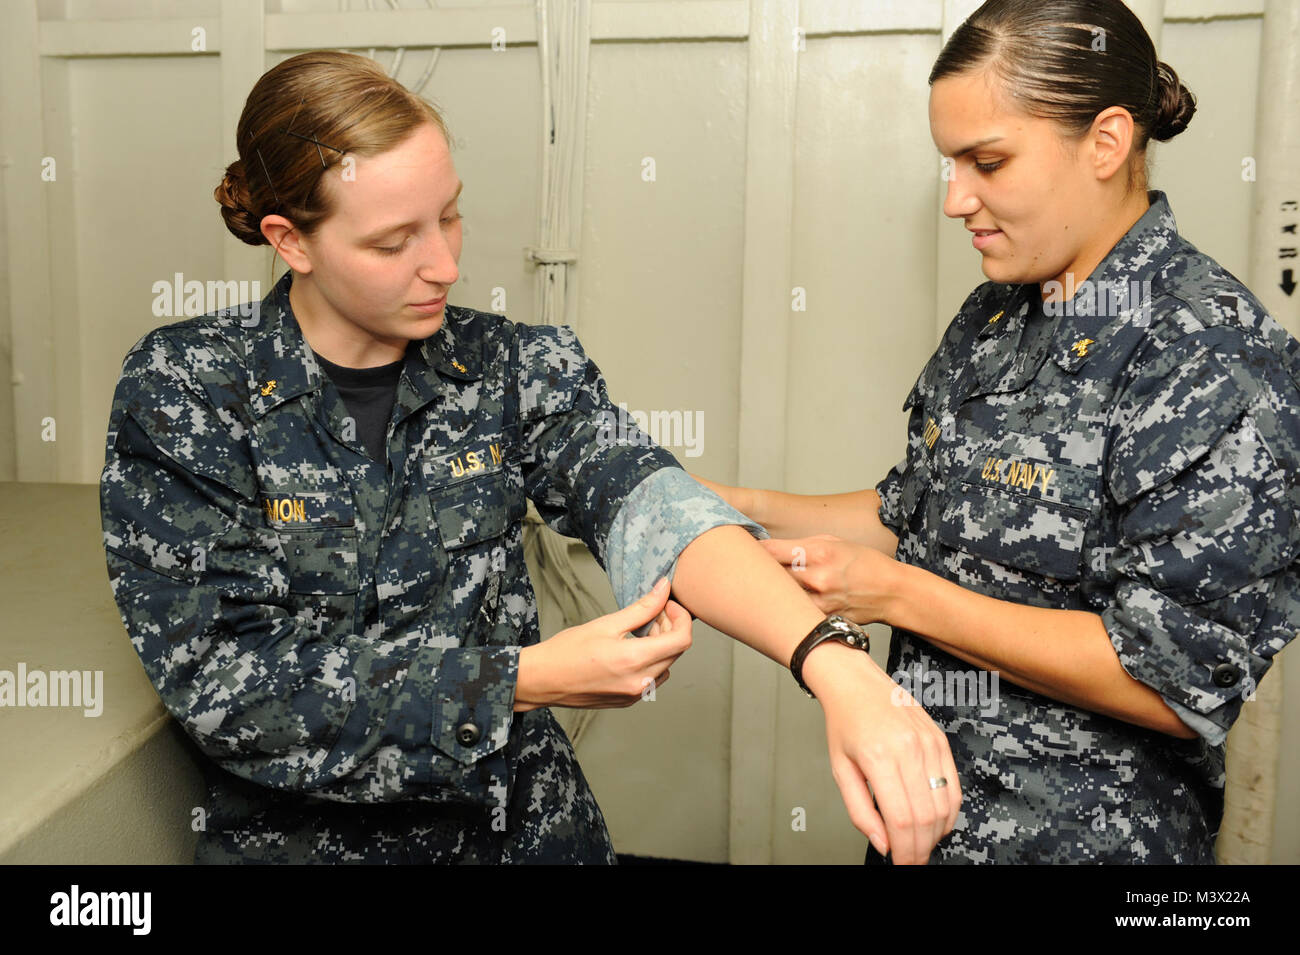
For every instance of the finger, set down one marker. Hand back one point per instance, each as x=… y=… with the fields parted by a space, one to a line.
x=676 y=621
x=953 y=789
x=652 y=651
x=858 y=801
x=896 y=807
x=937 y=764
x=657 y=673
x=802 y=578
x=675 y=614
x=783 y=551
x=642 y=610
x=670 y=618
x=665 y=664
x=937 y=768
x=916 y=772
x=661 y=624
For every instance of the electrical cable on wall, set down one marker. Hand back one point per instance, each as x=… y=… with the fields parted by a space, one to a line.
x=563 y=31
x=400 y=52
x=562 y=39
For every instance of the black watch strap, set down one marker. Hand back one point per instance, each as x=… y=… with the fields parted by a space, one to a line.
x=833 y=627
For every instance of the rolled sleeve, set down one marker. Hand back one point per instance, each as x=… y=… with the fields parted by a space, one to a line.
x=891 y=498
x=661 y=516
x=1208 y=591
x=595 y=475
x=1179 y=653
x=582 y=457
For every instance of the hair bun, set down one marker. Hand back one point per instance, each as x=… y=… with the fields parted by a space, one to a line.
x=232 y=193
x=1176 y=105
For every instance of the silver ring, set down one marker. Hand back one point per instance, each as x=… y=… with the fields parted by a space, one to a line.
x=938 y=782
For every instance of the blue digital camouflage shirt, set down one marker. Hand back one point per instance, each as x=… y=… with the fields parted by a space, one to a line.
x=340 y=636
x=1137 y=457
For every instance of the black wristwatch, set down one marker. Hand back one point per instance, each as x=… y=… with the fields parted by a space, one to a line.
x=833 y=627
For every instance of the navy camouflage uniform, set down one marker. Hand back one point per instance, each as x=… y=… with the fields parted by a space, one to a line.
x=341 y=636
x=1137 y=457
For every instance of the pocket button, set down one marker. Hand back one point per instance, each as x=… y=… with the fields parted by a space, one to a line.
x=467 y=734
x=1225 y=674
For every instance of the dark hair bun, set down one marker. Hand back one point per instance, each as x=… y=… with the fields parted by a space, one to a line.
x=1176 y=106
x=233 y=195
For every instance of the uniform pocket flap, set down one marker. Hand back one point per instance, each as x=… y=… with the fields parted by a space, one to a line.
x=473 y=509
x=1037 y=536
x=322 y=560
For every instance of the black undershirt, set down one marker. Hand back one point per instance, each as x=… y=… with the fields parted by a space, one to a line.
x=368 y=394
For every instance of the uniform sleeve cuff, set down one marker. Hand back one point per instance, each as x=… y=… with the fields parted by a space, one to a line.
x=1211 y=732
x=656 y=522
x=890 y=491
x=471 y=715
x=1200 y=668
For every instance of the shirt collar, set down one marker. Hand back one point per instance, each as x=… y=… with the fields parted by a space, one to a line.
x=281 y=366
x=1008 y=311
x=1119 y=289
x=451 y=351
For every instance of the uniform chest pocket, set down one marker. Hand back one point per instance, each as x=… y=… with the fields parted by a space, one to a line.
x=474 y=507
x=321 y=560
x=318 y=534
x=1028 y=534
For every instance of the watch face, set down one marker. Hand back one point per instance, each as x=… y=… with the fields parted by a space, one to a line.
x=855 y=634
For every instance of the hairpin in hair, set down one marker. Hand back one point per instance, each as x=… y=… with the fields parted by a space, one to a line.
x=267 y=173
x=312 y=138
x=319 y=144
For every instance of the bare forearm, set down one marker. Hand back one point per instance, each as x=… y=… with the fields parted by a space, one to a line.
x=880 y=752
x=727 y=580
x=853 y=516
x=1063 y=654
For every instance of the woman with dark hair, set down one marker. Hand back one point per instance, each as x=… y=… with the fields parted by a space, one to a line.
x=312 y=516
x=1099 y=499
